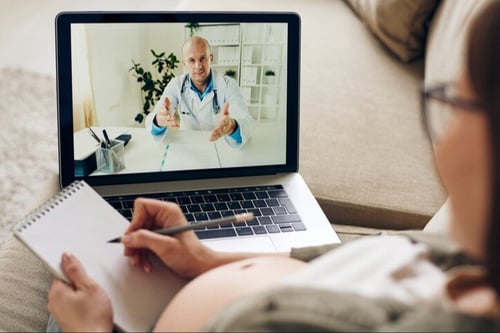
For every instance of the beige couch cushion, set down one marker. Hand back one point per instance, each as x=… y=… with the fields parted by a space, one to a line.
x=24 y=282
x=401 y=25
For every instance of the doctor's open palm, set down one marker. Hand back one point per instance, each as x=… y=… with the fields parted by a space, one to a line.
x=226 y=125
x=165 y=117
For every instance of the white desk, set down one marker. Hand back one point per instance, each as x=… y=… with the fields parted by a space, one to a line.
x=189 y=150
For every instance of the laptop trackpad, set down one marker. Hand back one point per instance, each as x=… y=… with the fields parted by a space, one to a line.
x=254 y=244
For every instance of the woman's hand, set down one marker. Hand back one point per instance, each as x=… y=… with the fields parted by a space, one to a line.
x=183 y=253
x=82 y=305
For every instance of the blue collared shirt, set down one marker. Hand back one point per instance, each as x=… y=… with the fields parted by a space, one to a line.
x=208 y=89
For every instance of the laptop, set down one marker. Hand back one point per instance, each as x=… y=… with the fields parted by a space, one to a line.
x=112 y=68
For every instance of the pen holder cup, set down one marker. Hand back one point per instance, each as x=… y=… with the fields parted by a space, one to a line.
x=111 y=159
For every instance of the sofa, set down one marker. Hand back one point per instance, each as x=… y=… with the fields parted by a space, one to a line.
x=363 y=149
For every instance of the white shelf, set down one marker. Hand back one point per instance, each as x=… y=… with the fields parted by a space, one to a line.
x=251 y=49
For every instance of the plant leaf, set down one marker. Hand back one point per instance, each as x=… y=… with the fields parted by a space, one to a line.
x=139 y=118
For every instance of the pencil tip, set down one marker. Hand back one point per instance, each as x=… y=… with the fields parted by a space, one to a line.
x=115 y=240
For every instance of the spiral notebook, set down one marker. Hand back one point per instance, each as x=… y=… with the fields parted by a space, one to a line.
x=78 y=220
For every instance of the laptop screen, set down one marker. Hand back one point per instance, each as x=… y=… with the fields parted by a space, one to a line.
x=155 y=96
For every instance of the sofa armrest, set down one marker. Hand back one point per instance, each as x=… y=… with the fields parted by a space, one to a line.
x=24 y=282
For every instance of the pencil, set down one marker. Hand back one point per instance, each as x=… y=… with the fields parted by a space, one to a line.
x=94 y=135
x=106 y=137
x=195 y=226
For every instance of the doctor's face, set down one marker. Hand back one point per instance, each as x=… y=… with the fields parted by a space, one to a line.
x=197 y=60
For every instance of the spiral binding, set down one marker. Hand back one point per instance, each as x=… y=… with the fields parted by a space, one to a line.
x=49 y=205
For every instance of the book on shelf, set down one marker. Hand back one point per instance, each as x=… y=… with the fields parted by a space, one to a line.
x=247 y=55
x=228 y=55
x=249 y=75
x=247 y=94
x=271 y=55
x=251 y=33
x=221 y=34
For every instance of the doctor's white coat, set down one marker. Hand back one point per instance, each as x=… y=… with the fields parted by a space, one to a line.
x=196 y=114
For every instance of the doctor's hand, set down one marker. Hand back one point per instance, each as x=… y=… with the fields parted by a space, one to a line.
x=226 y=125
x=165 y=117
x=82 y=306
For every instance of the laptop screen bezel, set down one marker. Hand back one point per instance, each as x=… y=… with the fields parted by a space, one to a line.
x=64 y=92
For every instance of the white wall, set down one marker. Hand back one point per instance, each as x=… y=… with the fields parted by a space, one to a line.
x=111 y=50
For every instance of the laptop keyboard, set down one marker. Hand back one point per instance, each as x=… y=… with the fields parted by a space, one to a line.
x=273 y=210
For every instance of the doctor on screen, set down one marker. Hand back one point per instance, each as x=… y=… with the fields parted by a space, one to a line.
x=205 y=99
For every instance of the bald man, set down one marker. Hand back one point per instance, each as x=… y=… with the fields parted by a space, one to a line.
x=204 y=98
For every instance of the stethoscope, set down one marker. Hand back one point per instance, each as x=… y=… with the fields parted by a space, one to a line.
x=215 y=102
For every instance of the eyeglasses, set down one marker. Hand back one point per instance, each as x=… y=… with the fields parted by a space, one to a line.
x=439 y=105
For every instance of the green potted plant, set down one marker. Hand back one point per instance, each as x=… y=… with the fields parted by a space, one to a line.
x=193 y=27
x=270 y=75
x=231 y=73
x=152 y=86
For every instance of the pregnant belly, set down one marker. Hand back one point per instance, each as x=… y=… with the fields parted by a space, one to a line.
x=204 y=296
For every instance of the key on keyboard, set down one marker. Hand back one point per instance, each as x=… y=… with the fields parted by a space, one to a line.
x=273 y=210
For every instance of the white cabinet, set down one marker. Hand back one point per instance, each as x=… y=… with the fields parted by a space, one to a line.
x=252 y=51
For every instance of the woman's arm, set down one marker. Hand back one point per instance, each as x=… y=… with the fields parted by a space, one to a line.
x=183 y=253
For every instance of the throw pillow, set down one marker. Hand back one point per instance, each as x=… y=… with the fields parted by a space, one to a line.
x=401 y=25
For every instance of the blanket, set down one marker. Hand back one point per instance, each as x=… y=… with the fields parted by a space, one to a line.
x=28 y=142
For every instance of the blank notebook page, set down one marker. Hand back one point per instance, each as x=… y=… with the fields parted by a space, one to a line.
x=79 y=221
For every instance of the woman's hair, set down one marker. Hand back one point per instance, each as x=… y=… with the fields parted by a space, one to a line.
x=483 y=70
